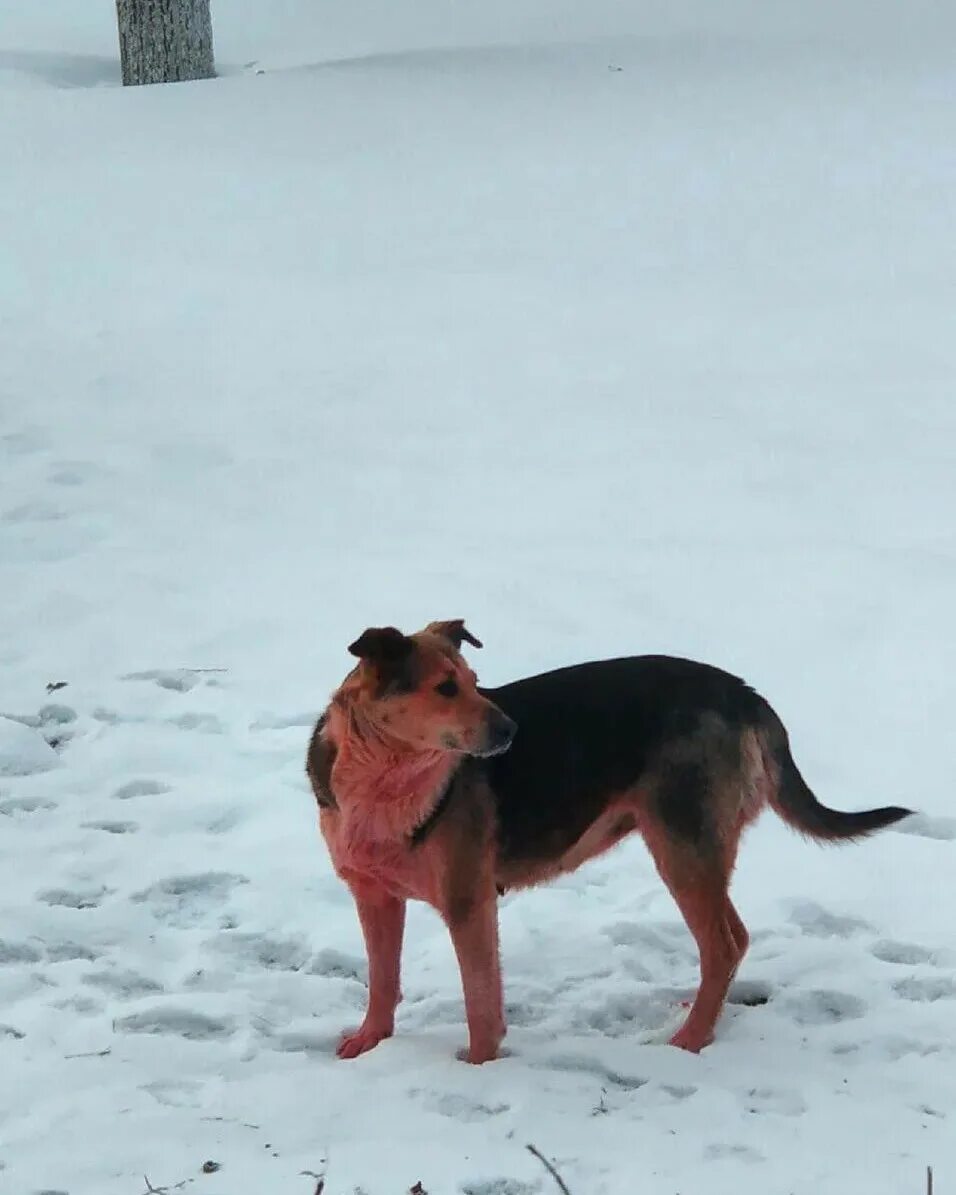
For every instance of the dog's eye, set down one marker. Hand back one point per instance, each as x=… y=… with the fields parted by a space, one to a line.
x=448 y=688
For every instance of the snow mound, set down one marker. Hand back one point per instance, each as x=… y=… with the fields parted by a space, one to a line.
x=22 y=751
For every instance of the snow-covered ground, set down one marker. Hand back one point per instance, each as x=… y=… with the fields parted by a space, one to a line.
x=610 y=327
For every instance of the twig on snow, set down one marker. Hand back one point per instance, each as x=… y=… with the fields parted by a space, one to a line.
x=151 y=1190
x=562 y=1185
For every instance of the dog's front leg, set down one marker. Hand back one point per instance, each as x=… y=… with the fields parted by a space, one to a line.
x=474 y=933
x=383 y=925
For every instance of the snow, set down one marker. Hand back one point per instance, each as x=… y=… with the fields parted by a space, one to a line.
x=24 y=751
x=608 y=327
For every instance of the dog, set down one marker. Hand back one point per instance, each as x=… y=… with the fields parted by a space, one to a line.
x=431 y=788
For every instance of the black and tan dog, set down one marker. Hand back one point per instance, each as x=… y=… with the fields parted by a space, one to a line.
x=423 y=795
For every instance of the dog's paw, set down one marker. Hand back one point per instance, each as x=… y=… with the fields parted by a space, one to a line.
x=361 y=1040
x=478 y=1055
x=693 y=1041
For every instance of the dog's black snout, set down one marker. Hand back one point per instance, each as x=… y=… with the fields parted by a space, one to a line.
x=501 y=730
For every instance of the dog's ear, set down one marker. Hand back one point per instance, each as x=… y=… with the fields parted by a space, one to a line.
x=389 y=653
x=382 y=645
x=455 y=631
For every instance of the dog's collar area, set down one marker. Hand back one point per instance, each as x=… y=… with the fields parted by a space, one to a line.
x=428 y=823
x=324 y=754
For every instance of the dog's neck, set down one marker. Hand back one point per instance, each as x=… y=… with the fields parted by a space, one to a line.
x=389 y=787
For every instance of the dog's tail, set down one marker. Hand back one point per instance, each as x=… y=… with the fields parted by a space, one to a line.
x=793 y=799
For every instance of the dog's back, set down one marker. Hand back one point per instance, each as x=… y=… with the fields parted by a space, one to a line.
x=678 y=729
x=597 y=732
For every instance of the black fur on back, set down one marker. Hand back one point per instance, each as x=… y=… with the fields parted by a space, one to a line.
x=590 y=732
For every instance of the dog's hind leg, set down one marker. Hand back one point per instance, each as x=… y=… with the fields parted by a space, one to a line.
x=701 y=896
x=694 y=858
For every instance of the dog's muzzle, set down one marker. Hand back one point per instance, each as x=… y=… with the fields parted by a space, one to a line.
x=499 y=731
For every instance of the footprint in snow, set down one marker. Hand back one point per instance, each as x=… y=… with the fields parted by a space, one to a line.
x=823 y=1007
x=262 y=952
x=17 y=952
x=124 y=985
x=430 y=1011
x=769 y=1099
x=17 y=806
x=334 y=964
x=652 y=941
x=459 y=1107
x=70 y=952
x=176 y=680
x=177 y=1022
x=65 y=898
x=112 y=827
x=33 y=512
x=183 y=1093
x=83 y=1006
x=581 y=1064
x=635 y=969
x=928 y=990
x=203 y=723
x=112 y=718
x=817 y=921
x=304 y=1042
x=223 y=823
x=140 y=788
x=749 y=993
x=522 y=1013
x=23 y=443
x=188 y=899
x=904 y=953
x=892 y=1047
x=929 y=1110
x=55 y=714
x=624 y=1013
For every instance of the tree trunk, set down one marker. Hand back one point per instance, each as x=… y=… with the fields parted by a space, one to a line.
x=165 y=41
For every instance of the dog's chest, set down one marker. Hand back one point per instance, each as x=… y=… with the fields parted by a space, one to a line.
x=365 y=860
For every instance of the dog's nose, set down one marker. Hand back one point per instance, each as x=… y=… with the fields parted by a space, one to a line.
x=501 y=730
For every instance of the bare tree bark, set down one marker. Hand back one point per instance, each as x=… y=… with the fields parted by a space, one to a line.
x=165 y=41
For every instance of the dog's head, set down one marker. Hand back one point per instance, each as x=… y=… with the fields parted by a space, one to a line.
x=418 y=689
